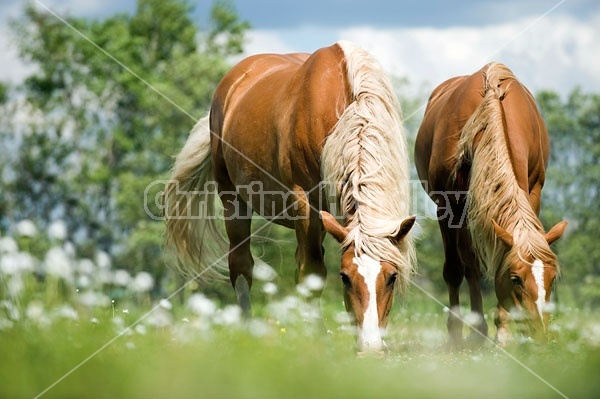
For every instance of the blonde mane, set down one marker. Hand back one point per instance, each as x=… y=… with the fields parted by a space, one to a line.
x=494 y=191
x=365 y=163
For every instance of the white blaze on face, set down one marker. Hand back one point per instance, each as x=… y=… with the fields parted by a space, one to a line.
x=538 y=274
x=369 y=334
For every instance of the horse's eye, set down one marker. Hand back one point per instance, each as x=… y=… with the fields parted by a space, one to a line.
x=345 y=279
x=392 y=279
x=516 y=280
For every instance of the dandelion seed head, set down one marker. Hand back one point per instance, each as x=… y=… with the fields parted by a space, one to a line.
x=263 y=271
x=93 y=298
x=57 y=230
x=201 y=305
x=26 y=228
x=159 y=317
x=229 y=315
x=16 y=263
x=67 y=312
x=15 y=285
x=473 y=318
x=103 y=260
x=269 y=288
x=58 y=263
x=85 y=266
x=142 y=282
x=165 y=304
x=313 y=282
x=11 y=309
x=121 y=277
x=8 y=245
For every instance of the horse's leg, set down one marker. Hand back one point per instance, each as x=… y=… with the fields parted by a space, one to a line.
x=238 y=221
x=473 y=277
x=310 y=235
x=503 y=333
x=453 y=275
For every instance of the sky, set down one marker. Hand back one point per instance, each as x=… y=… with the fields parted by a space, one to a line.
x=549 y=44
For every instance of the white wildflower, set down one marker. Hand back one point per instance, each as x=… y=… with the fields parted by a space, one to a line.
x=313 y=282
x=11 y=309
x=121 y=277
x=303 y=290
x=159 y=317
x=70 y=249
x=473 y=318
x=269 y=288
x=125 y=311
x=285 y=309
x=85 y=266
x=229 y=315
x=263 y=271
x=103 y=260
x=201 y=305
x=58 y=263
x=83 y=282
x=93 y=298
x=26 y=228
x=15 y=285
x=142 y=282
x=67 y=312
x=258 y=328
x=165 y=304
x=8 y=245
x=140 y=329
x=343 y=318
x=35 y=310
x=57 y=230
x=16 y=263
x=549 y=307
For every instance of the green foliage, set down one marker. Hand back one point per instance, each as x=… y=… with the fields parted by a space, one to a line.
x=572 y=189
x=118 y=100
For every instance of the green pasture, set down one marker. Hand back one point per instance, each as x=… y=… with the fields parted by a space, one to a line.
x=139 y=347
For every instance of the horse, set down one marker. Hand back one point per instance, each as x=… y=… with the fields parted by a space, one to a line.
x=481 y=154
x=290 y=137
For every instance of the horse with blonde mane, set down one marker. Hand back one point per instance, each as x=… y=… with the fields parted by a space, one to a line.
x=280 y=125
x=482 y=136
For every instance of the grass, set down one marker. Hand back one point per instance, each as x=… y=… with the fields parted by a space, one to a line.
x=192 y=356
x=112 y=339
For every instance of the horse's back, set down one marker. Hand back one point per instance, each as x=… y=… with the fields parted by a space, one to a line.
x=271 y=114
x=450 y=106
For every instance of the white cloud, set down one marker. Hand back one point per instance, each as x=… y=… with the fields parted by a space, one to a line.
x=556 y=52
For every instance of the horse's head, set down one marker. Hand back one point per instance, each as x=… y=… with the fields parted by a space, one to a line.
x=525 y=283
x=368 y=286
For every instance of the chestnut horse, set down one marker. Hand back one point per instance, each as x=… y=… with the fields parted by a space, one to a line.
x=279 y=126
x=483 y=134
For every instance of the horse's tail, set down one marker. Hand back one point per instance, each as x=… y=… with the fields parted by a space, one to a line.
x=192 y=231
x=488 y=116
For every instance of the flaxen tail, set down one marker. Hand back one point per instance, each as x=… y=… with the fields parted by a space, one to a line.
x=192 y=230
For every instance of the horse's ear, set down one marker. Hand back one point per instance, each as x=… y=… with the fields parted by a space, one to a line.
x=502 y=234
x=333 y=227
x=405 y=227
x=556 y=231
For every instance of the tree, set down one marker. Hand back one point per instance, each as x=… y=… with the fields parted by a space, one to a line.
x=110 y=128
x=572 y=188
